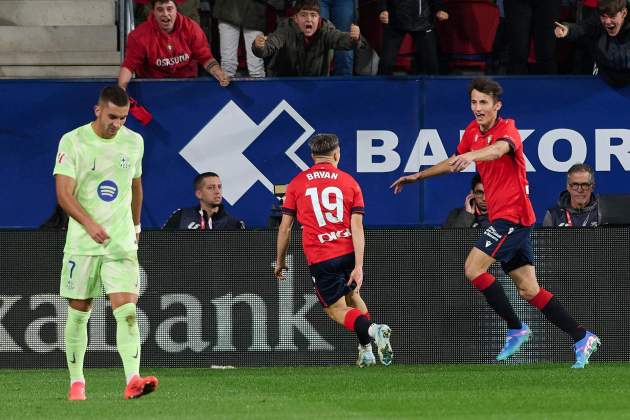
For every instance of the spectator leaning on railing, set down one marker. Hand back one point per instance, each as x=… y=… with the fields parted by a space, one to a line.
x=609 y=38
x=168 y=45
x=300 y=45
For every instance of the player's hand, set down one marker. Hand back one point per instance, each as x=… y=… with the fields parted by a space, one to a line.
x=398 y=184
x=384 y=17
x=356 y=277
x=468 y=204
x=441 y=15
x=460 y=162
x=355 y=32
x=560 y=30
x=97 y=232
x=260 y=41
x=278 y=270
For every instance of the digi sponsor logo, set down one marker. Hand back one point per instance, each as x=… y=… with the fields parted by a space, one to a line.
x=107 y=190
x=333 y=236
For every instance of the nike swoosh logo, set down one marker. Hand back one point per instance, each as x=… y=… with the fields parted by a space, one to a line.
x=136 y=356
x=74 y=359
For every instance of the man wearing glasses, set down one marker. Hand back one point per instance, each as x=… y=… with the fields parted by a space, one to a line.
x=577 y=206
x=475 y=211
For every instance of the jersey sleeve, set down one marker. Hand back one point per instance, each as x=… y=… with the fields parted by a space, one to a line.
x=199 y=44
x=134 y=54
x=466 y=142
x=138 y=169
x=511 y=135
x=65 y=163
x=358 y=206
x=289 y=207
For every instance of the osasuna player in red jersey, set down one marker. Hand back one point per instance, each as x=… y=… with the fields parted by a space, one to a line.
x=495 y=145
x=328 y=203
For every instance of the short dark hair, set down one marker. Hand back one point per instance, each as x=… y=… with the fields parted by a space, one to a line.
x=153 y=2
x=487 y=86
x=199 y=179
x=114 y=94
x=474 y=181
x=581 y=167
x=307 y=5
x=323 y=144
x=611 y=7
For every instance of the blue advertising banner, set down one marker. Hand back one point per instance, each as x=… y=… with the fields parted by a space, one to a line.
x=253 y=134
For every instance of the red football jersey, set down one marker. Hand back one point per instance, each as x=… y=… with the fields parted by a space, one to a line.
x=504 y=179
x=323 y=198
x=154 y=54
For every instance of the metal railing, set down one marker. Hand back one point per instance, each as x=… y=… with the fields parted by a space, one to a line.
x=125 y=24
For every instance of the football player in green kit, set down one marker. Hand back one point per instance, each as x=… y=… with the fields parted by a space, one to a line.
x=97 y=179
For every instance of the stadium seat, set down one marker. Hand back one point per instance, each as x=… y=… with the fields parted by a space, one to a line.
x=466 y=38
x=614 y=209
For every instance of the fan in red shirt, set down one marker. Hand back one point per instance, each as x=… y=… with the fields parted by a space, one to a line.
x=495 y=145
x=168 y=45
x=328 y=203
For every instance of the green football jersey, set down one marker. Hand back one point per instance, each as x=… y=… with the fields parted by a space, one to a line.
x=103 y=170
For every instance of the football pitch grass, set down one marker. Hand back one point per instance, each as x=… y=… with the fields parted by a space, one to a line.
x=532 y=391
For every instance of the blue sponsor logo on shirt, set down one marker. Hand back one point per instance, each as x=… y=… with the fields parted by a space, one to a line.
x=107 y=190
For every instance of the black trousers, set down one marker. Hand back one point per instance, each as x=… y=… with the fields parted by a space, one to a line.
x=522 y=17
x=426 y=57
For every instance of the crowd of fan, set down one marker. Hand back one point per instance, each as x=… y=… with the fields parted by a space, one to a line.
x=259 y=38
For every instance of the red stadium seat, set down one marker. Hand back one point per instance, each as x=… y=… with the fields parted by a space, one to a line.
x=466 y=38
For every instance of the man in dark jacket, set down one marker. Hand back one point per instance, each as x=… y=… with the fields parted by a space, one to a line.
x=209 y=214
x=416 y=18
x=578 y=205
x=475 y=211
x=609 y=38
x=300 y=45
x=251 y=17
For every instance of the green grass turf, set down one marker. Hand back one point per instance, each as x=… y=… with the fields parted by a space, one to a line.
x=534 y=391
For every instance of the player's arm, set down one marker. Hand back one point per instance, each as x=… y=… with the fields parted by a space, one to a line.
x=358 y=241
x=441 y=168
x=124 y=77
x=284 y=236
x=136 y=203
x=491 y=152
x=64 y=186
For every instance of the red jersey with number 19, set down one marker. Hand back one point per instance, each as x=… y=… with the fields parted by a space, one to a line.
x=323 y=198
x=504 y=179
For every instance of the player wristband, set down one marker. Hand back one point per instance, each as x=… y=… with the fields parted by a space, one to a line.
x=138 y=230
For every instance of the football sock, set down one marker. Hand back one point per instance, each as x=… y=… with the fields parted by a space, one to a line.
x=76 y=340
x=553 y=310
x=496 y=298
x=128 y=338
x=355 y=321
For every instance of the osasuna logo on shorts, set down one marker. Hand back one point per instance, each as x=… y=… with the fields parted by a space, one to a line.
x=107 y=190
x=231 y=130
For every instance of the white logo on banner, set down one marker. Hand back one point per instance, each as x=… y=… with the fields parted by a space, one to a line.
x=220 y=145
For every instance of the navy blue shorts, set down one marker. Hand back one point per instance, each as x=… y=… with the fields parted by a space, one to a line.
x=509 y=243
x=330 y=278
